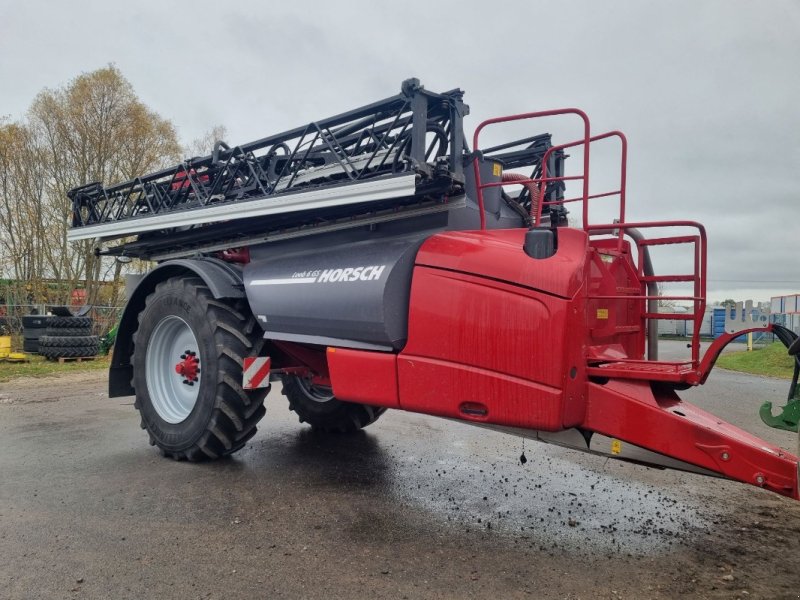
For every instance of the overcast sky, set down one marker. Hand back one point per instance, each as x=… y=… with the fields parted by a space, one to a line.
x=707 y=92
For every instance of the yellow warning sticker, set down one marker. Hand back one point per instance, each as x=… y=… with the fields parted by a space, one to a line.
x=602 y=313
x=497 y=169
x=616 y=446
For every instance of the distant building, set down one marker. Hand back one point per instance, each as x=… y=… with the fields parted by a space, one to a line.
x=785 y=310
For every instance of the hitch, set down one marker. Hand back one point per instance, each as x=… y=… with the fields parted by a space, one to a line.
x=654 y=418
x=788 y=418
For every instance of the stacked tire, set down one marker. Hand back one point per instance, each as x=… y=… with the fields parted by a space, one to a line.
x=34 y=327
x=69 y=337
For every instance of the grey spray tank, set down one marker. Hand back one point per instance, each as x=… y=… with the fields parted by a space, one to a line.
x=349 y=294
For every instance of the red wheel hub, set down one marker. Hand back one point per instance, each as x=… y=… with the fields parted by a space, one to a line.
x=188 y=367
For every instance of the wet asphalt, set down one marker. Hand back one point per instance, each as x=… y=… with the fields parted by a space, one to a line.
x=414 y=507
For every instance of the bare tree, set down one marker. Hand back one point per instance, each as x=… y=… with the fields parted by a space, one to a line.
x=93 y=129
x=23 y=231
x=204 y=145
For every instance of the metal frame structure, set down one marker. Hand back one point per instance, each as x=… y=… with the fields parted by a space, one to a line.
x=407 y=146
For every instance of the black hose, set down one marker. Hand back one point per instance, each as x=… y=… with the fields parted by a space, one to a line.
x=517 y=208
x=789 y=338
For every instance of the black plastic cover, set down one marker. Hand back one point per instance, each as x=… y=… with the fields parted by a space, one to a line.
x=540 y=242
x=352 y=294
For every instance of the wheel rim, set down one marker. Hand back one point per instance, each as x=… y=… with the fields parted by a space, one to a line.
x=173 y=369
x=317 y=393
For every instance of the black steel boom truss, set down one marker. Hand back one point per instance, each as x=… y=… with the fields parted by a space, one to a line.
x=400 y=157
x=416 y=131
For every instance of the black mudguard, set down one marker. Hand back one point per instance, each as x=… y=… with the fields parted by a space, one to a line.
x=223 y=279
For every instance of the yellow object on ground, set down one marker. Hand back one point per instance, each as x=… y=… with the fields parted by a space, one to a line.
x=5 y=345
x=16 y=357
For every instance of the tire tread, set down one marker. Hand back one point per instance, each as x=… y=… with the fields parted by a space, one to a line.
x=236 y=410
x=346 y=417
x=69 y=322
x=50 y=341
x=68 y=331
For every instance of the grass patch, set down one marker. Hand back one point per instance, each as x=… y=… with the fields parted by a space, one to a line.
x=39 y=366
x=770 y=361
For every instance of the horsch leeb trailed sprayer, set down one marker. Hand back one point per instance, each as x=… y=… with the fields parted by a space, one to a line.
x=374 y=260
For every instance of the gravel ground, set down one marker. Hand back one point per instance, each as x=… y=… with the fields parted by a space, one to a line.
x=416 y=507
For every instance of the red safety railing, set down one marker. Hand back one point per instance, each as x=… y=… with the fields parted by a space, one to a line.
x=623 y=175
x=636 y=368
x=698 y=298
x=541 y=181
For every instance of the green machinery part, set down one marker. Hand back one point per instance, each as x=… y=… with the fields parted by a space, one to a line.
x=789 y=416
x=107 y=341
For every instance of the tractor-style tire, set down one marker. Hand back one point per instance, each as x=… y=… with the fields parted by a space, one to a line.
x=203 y=412
x=71 y=341
x=53 y=352
x=68 y=331
x=317 y=406
x=69 y=322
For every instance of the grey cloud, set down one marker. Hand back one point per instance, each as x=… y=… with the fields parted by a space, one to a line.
x=706 y=91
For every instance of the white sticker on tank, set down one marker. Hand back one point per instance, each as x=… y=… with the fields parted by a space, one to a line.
x=371 y=273
x=346 y=274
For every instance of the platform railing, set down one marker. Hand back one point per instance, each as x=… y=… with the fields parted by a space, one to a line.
x=698 y=278
x=621 y=191
x=540 y=181
x=619 y=229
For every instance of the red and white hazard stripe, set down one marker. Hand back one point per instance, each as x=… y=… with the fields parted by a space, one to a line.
x=256 y=372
